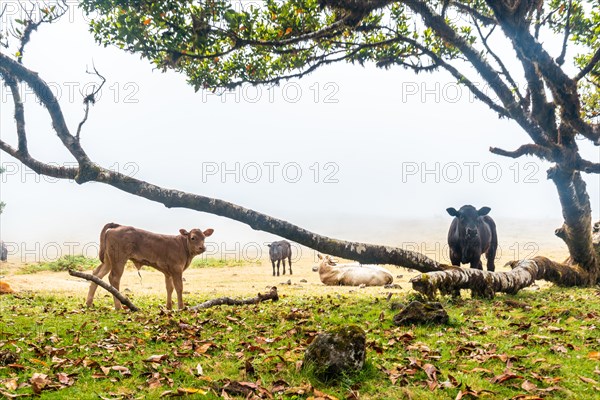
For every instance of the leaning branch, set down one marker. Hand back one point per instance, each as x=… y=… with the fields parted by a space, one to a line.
x=106 y=286
x=272 y=295
x=87 y=171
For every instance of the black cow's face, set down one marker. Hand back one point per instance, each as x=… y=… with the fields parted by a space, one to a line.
x=467 y=219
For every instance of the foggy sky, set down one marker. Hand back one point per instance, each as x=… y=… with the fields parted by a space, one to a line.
x=349 y=151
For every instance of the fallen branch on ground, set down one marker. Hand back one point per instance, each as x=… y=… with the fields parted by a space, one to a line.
x=485 y=284
x=124 y=300
x=272 y=295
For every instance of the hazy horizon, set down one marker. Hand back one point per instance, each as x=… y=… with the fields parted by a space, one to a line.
x=332 y=153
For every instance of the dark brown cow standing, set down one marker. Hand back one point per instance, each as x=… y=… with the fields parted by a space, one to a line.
x=169 y=254
x=471 y=234
x=279 y=251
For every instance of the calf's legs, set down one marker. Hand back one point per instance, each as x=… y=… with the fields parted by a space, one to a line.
x=100 y=271
x=169 y=285
x=114 y=278
x=178 y=284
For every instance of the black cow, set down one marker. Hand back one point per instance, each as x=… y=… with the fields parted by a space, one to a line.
x=279 y=251
x=471 y=234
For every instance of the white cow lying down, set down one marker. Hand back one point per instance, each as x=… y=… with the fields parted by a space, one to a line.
x=333 y=274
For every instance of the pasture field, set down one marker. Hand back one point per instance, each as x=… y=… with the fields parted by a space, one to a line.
x=542 y=343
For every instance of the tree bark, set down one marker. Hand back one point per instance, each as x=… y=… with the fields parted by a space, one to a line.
x=272 y=295
x=576 y=231
x=124 y=300
x=523 y=274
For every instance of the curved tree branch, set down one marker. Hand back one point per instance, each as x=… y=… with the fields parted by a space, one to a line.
x=89 y=171
x=48 y=100
x=485 y=284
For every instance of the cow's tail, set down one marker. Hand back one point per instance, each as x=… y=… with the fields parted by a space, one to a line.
x=108 y=226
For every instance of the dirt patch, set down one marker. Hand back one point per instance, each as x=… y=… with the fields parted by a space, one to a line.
x=206 y=283
x=202 y=283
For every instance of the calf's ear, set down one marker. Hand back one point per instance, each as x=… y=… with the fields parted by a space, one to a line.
x=184 y=232
x=208 y=232
x=483 y=211
x=452 y=211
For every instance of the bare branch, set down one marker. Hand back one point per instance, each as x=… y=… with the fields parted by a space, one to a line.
x=272 y=295
x=588 y=166
x=90 y=99
x=47 y=98
x=560 y=60
x=505 y=72
x=38 y=166
x=19 y=113
x=589 y=67
x=526 y=149
x=111 y=289
x=504 y=93
x=563 y=88
x=484 y=19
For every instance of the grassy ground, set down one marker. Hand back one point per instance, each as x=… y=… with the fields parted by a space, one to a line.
x=538 y=344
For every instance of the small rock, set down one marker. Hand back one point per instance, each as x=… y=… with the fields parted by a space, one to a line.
x=303 y=281
x=392 y=286
x=337 y=352
x=397 y=305
x=399 y=276
x=421 y=313
x=8 y=357
x=127 y=290
x=362 y=286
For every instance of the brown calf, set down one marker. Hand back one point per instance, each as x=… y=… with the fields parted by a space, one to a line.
x=169 y=254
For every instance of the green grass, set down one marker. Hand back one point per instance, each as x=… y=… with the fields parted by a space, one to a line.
x=211 y=262
x=64 y=263
x=538 y=344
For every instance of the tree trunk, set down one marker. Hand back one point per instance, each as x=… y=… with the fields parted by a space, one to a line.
x=576 y=231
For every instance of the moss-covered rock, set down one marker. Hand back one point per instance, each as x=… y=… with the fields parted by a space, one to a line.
x=337 y=352
x=421 y=313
